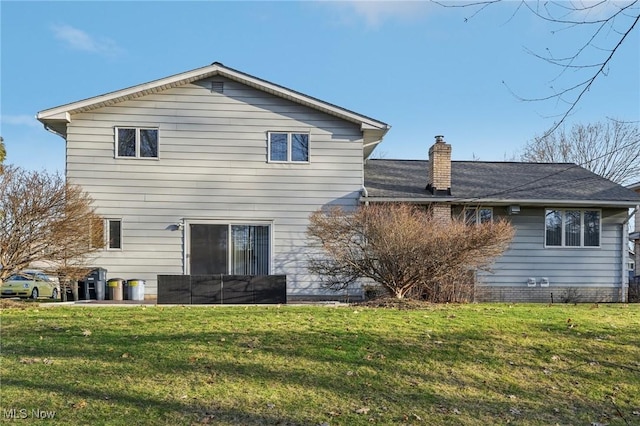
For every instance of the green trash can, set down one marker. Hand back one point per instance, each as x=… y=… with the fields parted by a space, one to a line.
x=135 y=289
x=115 y=288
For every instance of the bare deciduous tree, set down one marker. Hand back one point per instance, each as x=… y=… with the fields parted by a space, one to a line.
x=3 y=152
x=43 y=218
x=403 y=248
x=603 y=25
x=610 y=149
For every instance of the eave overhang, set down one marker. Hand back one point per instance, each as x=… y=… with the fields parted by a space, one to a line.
x=502 y=202
x=367 y=124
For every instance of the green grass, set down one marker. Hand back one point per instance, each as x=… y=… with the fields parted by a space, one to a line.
x=461 y=365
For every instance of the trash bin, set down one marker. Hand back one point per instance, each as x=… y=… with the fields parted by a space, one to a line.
x=95 y=284
x=135 y=289
x=83 y=291
x=68 y=293
x=115 y=288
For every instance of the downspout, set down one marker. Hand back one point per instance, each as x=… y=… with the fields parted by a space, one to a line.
x=365 y=194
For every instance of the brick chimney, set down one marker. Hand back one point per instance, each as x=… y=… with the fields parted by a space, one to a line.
x=439 y=177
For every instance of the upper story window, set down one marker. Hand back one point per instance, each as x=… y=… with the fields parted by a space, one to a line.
x=288 y=147
x=474 y=215
x=136 y=142
x=572 y=228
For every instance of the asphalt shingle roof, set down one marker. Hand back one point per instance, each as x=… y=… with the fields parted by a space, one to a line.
x=407 y=179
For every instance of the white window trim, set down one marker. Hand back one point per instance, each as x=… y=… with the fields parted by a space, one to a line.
x=582 y=228
x=187 y=238
x=477 y=209
x=289 y=150
x=107 y=233
x=137 y=141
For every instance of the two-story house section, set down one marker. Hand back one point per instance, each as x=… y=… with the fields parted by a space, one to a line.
x=212 y=171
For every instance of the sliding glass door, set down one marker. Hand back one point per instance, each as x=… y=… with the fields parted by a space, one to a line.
x=229 y=249
x=249 y=250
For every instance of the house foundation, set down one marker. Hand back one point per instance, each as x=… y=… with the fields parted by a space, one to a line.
x=558 y=294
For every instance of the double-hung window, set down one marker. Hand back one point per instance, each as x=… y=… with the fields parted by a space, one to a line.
x=572 y=228
x=284 y=147
x=476 y=215
x=136 y=142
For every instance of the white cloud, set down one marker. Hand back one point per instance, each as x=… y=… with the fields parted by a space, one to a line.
x=20 y=120
x=80 y=40
x=375 y=13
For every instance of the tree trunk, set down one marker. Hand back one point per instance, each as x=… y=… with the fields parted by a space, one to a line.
x=74 y=290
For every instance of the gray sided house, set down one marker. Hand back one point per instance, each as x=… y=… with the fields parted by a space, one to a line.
x=571 y=224
x=635 y=235
x=212 y=171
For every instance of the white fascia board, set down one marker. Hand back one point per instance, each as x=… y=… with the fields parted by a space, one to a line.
x=552 y=202
x=503 y=202
x=127 y=93
x=366 y=125
x=60 y=116
x=205 y=72
x=365 y=122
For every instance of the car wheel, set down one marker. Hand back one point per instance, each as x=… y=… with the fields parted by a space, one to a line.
x=54 y=294
x=34 y=293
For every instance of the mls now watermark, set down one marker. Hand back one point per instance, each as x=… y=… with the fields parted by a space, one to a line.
x=23 y=413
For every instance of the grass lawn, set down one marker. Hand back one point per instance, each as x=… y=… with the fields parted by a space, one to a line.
x=476 y=364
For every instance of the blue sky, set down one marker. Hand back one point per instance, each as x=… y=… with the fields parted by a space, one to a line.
x=415 y=65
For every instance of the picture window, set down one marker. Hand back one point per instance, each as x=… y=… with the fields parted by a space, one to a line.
x=572 y=228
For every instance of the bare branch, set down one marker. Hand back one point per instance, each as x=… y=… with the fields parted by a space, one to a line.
x=42 y=218
x=610 y=149
x=570 y=15
x=403 y=248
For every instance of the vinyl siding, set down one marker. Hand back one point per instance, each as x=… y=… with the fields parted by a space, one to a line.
x=212 y=166
x=586 y=266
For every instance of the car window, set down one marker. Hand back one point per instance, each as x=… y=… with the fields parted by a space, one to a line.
x=19 y=278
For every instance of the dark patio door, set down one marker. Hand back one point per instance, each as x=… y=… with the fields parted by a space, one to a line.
x=209 y=249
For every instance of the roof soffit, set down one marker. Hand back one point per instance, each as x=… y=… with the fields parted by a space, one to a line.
x=201 y=74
